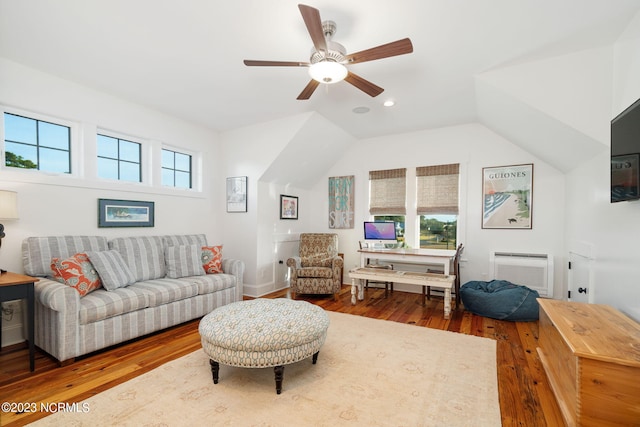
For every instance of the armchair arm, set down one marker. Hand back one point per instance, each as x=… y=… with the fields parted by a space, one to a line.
x=294 y=263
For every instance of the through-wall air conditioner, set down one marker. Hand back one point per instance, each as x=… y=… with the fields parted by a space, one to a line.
x=534 y=271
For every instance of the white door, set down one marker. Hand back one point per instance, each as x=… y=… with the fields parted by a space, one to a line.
x=581 y=286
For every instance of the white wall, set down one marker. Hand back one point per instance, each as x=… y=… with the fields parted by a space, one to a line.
x=474 y=147
x=58 y=205
x=612 y=229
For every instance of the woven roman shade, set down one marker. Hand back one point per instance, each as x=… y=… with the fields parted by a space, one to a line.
x=437 y=188
x=387 y=192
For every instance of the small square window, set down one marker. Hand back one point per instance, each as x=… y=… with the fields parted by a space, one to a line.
x=119 y=159
x=176 y=169
x=36 y=144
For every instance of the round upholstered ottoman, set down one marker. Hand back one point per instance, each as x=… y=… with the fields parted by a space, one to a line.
x=263 y=333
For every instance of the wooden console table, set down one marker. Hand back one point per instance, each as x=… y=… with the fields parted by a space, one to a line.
x=591 y=355
x=435 y=280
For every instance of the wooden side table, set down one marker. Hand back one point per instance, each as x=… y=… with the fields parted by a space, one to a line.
x=15 y=286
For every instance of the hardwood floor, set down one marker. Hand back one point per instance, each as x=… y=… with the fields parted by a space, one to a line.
x=525 y=396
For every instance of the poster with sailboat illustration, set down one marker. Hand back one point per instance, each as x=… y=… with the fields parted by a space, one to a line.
x=506 y=196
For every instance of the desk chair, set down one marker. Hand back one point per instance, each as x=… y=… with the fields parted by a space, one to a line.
x=455 y=269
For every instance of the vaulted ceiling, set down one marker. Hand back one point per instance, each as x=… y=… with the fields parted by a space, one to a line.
x=473 y=60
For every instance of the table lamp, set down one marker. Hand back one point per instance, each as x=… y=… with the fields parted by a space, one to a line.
x=8 y=210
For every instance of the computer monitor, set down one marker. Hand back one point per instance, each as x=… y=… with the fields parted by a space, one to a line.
x=380 y=232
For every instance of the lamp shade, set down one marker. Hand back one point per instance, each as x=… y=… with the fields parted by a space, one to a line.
x=328 y=72
x=8 y=204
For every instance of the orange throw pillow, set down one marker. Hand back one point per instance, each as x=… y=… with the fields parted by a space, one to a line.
x=77 y=272
x=212 y=259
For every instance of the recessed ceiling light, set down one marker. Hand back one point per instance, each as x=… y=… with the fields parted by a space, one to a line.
x=361 y=110
x=389 y=103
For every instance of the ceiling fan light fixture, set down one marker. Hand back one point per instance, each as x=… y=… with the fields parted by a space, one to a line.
x=328 y=72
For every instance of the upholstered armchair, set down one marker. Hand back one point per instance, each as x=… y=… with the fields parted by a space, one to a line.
x=317 y=269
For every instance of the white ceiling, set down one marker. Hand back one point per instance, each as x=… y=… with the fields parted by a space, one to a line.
x=184 y=57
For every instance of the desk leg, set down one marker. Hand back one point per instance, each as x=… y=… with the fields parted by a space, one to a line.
x=447 y=303
x=31 y=333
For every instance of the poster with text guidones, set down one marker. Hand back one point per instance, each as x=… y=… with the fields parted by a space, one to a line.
x=507 y=196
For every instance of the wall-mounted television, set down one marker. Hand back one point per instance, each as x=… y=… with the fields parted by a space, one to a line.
x=380 y=232
x=625 y=154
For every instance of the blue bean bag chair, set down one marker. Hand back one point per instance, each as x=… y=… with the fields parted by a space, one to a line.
x=500 y=299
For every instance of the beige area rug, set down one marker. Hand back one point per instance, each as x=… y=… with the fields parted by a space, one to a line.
x=369 y=373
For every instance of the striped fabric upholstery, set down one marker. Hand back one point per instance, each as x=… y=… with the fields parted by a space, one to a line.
x=186 y=239
x=68 y=325
x=143 y=254
x=104 y=304
x=37 y=252
x=183 y=261
x=114 y=272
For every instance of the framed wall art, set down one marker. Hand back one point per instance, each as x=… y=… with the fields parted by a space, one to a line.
x=288 y=207
x=125 y=213
x=341 y=201
x=237 y=194
x=507 y=196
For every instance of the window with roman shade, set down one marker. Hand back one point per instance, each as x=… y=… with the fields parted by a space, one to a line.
x=437 y=189
x=387 y=192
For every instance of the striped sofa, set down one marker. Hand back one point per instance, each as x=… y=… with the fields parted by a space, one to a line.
x=159 y=290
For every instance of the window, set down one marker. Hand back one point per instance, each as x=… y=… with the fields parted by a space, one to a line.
x=119 y=159
x=36 y=144
x=387 y=197
x=176 y=169
x=437 y=205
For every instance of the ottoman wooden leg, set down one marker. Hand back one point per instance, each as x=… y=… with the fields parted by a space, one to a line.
x=279 y=371
x=215 y=369
x=315 y=357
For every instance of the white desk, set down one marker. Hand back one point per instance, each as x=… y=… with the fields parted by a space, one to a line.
x=442 y=257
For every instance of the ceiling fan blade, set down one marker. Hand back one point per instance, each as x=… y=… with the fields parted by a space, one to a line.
x=255 y=63
x=313 y=22
x=399 y=47
x=364 y=85
x=308 y=90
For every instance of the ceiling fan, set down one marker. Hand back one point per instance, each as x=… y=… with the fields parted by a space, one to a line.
x=328 y=60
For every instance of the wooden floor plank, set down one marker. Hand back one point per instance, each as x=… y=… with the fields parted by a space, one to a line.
x=525 y=396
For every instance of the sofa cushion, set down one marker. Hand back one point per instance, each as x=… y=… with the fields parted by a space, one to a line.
x=183 y=261
x=37 y=252
x=212 y=259
x=323 y=272
x=210 y=283
x=113 y=271
x=77 y=272
x=165 y=291
x=185 y=239
x=103 y=304
x=143 y=254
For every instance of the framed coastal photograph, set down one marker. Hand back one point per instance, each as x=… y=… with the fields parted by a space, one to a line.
x=125 y=213
x=288 y=207
x=507 y=196
x=237 y=194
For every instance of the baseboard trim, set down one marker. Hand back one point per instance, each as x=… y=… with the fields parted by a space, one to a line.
x=257 y=291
